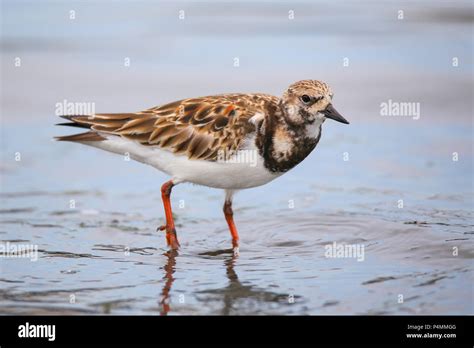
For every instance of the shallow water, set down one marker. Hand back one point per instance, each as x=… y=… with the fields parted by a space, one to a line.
x=106 y=253
x=115 y=262
x=93 y=215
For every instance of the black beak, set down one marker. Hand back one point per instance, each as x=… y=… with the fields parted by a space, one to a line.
x=332 y=113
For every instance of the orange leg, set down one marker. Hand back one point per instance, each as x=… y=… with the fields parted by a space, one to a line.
x=171 y=237
x=229 y=216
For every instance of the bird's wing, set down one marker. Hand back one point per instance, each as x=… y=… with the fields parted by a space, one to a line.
x=197 y=127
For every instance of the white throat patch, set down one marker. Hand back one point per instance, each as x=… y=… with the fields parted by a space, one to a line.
x=312 y=130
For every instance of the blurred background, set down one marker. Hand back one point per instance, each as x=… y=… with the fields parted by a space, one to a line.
x=127 y=56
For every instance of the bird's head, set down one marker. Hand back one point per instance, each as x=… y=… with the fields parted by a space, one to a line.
x=309 y=101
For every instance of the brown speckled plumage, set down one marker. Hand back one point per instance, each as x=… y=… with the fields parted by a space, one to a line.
x=201 y=128
x=197 y=127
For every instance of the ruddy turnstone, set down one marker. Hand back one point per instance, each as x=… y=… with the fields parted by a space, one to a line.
x=201 y=140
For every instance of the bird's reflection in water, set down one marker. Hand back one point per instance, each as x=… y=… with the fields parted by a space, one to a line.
x=236 y=298
x=169 y=269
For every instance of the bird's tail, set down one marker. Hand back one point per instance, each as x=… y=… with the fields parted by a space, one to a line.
x=87 y=136
x=78 y=121
x=123 y=124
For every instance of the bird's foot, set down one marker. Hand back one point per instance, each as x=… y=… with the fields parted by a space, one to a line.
x=171 y=236
x=235 y=247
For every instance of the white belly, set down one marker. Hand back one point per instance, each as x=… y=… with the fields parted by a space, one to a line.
x=243 y=174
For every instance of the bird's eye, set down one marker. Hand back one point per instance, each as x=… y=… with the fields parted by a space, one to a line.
x=305 y=98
